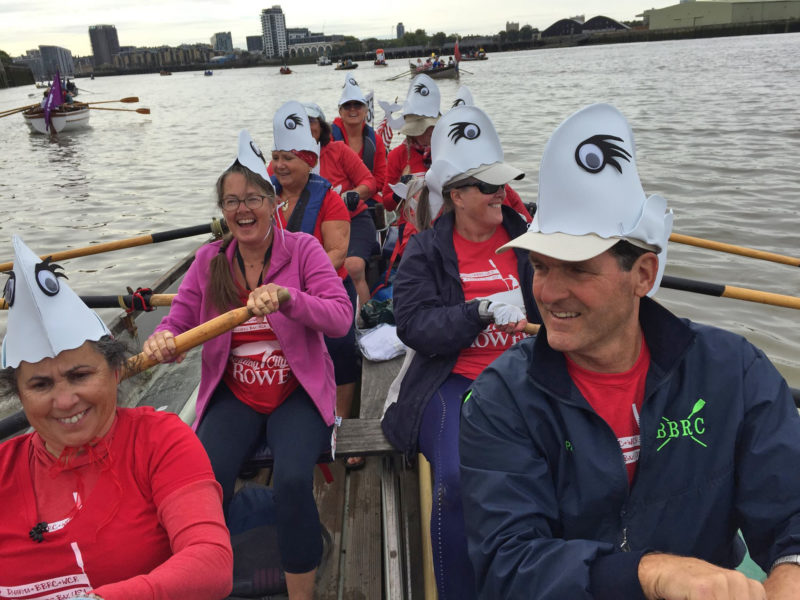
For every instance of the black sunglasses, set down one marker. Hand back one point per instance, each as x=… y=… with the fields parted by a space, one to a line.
x=483 y=187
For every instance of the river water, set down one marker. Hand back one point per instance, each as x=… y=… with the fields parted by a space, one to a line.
x=716 y=125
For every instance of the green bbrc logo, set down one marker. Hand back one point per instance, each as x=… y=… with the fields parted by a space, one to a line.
x=690 y=427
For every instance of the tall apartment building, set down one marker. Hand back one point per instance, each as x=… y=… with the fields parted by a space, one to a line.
x=273 y=32
x=222 y=42
x=56 y=58
x=401 y=30
x=105 y=43
x=255 y=43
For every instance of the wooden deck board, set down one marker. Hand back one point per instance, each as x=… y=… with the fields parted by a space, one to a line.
x=362 y=560
x=330 y=499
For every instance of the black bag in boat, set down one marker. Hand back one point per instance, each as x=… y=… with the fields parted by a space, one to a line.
x=257 y=568
x=374 y=312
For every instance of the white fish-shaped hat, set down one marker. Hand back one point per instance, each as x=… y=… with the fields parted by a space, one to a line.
x=463 y=97
x=421 y=108
x=45 y=317
x=351 y=91
x=590 y=195
x=249 y=155
x=290 y=129
x=465 y=145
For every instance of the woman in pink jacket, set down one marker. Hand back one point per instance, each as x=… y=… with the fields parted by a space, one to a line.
x=271 y=374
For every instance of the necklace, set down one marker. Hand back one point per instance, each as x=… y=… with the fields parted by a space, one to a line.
x=240 y=261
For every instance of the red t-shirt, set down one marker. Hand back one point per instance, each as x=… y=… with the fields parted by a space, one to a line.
x=116 y=534
x=485 y=274
x=340 y=165
x=617 y=398
x=332 y=209
x=378 y=161
x=258 y=373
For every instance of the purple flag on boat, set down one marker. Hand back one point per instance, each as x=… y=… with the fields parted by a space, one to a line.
x=54 y=99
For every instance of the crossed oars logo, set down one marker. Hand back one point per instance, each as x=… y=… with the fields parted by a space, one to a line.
x=684 y=430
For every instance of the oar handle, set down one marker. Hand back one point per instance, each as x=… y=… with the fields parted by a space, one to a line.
x=216 y=227
x=196 y=336
x=734 y=249
x=532 y=328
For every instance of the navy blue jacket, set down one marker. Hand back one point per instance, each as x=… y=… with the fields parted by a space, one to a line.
x=547 y=505
x=434 y=319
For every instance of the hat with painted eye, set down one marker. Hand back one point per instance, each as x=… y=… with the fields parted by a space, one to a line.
x=421 y=108
x=314 y=111
x=351 y=92
x=590 y=196
x=463 y=97
x=45 y=317
x=290 y=129
x=465 y=145
x=251 y=157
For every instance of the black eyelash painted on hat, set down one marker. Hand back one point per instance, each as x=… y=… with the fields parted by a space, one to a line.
x=47 y=276
x=421 y=89
x=257 y=151
x=463 y=130
x=594 y=153
x=292 y=121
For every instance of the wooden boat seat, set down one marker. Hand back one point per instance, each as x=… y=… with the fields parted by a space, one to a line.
x=354 y=437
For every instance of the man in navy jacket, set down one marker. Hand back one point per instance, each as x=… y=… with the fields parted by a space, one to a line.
x=618 y=453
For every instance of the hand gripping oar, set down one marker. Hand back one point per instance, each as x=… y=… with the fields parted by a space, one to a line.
x=196 y=336
x=141 y=111
x=216 y=227
x=733 y=249
x=136 y=364
x=729 y=291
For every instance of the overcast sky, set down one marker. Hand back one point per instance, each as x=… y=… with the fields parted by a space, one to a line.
x=25 y=24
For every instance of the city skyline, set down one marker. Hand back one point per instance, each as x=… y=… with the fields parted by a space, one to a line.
x=26 y=25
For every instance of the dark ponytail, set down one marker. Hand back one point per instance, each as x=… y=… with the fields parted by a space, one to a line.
x=221 y=289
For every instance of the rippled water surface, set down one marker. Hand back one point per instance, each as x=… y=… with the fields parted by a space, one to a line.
x=716 y=124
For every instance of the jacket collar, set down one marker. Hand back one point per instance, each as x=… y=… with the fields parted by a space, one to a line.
x=667 y=337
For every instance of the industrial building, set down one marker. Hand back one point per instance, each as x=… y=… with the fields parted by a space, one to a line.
x=689 y=13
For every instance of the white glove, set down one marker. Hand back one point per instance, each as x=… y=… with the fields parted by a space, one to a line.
x=503 y=314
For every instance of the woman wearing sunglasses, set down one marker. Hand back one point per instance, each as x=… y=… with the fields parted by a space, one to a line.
x=458 y=306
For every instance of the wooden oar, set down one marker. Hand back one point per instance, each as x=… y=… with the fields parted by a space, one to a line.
x=194 y=337
x=733 y=249
x=14 y=111
x=729 y=291
x=406 y=72
x=218 y=228
x=141 y=111
x=125 y=301
x=128 y=100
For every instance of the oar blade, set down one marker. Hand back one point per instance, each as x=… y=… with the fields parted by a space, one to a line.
x=130 y=99
x=143 y=111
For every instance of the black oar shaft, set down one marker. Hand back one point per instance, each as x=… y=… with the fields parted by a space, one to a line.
x=216 y=227
x=730 y=291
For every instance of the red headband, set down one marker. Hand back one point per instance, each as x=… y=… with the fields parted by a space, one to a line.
x=306 y=156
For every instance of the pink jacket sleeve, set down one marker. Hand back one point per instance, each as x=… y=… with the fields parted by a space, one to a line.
x=323 y=304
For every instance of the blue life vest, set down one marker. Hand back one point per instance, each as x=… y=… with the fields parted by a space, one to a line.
x=317 y=188
x=368 y=154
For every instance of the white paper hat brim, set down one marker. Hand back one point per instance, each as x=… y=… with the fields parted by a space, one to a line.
x=42 y=326
x=561 y=246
